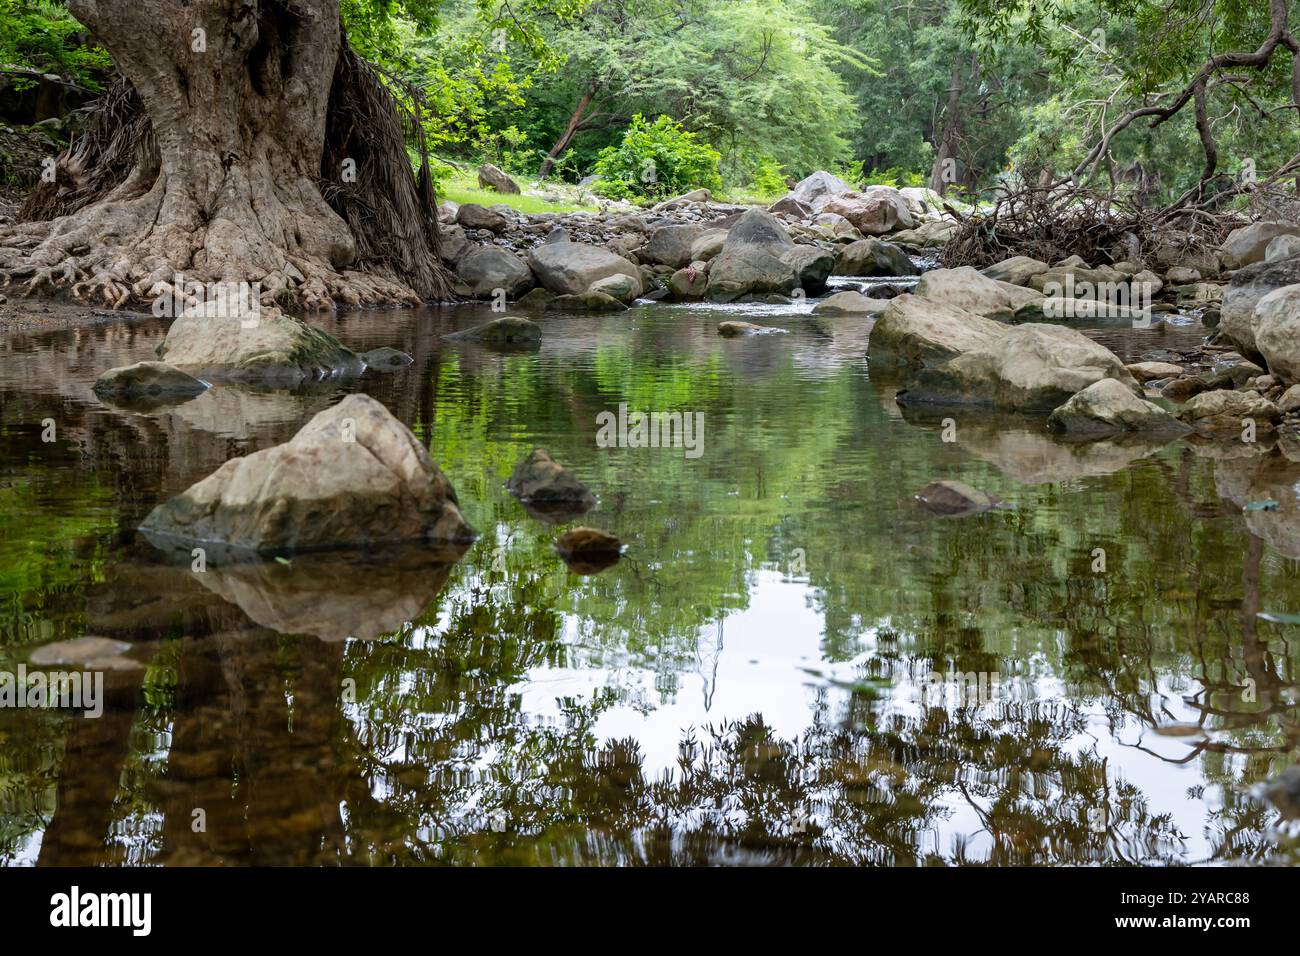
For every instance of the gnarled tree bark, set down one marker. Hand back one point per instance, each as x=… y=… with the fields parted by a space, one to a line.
x=256 y=112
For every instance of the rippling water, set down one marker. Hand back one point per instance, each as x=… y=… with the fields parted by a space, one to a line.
x=793 y=663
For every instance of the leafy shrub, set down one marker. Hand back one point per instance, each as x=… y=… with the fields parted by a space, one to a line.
x=895 y=176
x=656 y=160
x=767 y=178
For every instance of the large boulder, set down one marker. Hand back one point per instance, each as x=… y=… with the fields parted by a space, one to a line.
x=1276 y=325
x=914 y=331
x=147 y=380
x=1109 y=406
x=452 y=243
x=1032 y=368
x=257 y=347
x=1283 y=247
x=483 y=270
x=966 y=289
x=473 y=216
x=491 y=177
x=571 y=268
x=1247 y=288
x=931 y=234
x=814 y=190
x=1248 y=245
x=353 y=477
x=671 y=245
x=874 y=211
x=1223 y=412
x=759 y=256
x=874 y=257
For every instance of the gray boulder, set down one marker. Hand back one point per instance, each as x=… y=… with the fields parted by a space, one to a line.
x=1248 y=245
x=1244 y=292
x=353 y=477
x=490 y=177
x=147 y=380
x=571 y=268
x=914 y=331
x=873 y=257
x=507 y=330
x=484 y=269
x=1108 y=406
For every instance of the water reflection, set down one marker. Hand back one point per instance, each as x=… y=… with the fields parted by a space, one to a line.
x=747 y=685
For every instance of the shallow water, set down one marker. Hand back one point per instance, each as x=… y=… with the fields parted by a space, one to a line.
x=749 y=684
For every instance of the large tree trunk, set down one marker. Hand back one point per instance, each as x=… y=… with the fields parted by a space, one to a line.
x=229 y=189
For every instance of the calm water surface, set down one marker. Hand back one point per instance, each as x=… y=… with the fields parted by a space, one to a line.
x=750 y=684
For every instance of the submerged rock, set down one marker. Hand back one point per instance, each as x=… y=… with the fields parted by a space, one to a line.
x=732 y=329
x=254 y=347
x=954 y=499
x=587 y=550
x=386 y=358
x=507 y=330
x=147 y=380
x=1110 y=406
x=1031 y=368
x=86 y=653
x=353 y=476
x=540 y=479
x=587 y=302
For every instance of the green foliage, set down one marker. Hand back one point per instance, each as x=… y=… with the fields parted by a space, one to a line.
x=657 y=160
x=40 y=35
x=894 y=176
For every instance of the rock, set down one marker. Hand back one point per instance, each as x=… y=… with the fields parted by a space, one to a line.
x=262 y=348
x=915 y=331
x=922 y=200
x=386 y=358
x=1244 y=292
x=1149 y=371
x=147 y=380
x=814 y=190
x=1110 y=406
x=507 y=330
x=1181 y=389
x=571 y=268
x=966 y=289
x=540 y=480
x=671 y=245
x=873 y=257
x=447 y=210
x=1290 y=400
x=753 y=259
x=931 y=234
x=812 y=266
x=731 y=329
x=1249 y=244
x=1182 y=275
x=955 y=499
x=708 y=245
x=792 y=207
x=622 y=287
x=1282 y=247
x=473 y=216
x=685 y=199
x=1224 y=411
x=353 y=476
x=452 y=244
x=689 y=283
x=490 y=177
x=836 y=228
x=849 y=303
x=1276 y=324
x=485 y=269
x=874 y=211
x=587 y=551
x=535 y=300
x=557 y=234
x=1032 y=367
x=587 y=302
x=1017 y=270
